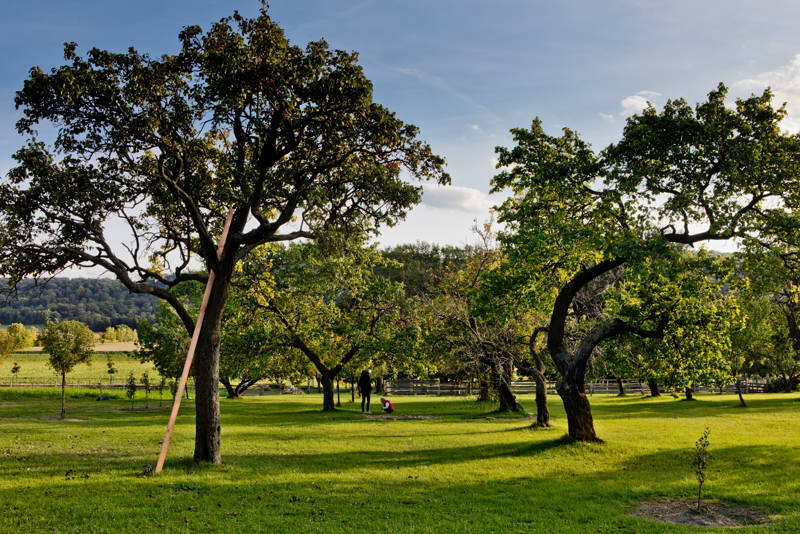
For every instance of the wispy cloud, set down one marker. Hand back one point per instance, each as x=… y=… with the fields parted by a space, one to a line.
x=606 y=116
x=785 y=84
x=475 y=127
x=442 y=85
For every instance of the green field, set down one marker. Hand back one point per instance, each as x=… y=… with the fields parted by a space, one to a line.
x=288 y=467
x=34 y=368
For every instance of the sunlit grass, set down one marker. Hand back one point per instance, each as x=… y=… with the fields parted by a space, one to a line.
x=34 y=368
x=288 y=467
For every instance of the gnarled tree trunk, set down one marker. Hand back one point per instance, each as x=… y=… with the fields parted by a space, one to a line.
x=508 y=401
x=652 y=383
x=542 y=410
x=689 y=392
x=579 y=414
x=501 y=379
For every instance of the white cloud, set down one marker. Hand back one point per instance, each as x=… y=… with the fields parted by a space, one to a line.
x=785 y=84
x=456 y=198
x=636 y=103
x=606 y=116
x=475 y=127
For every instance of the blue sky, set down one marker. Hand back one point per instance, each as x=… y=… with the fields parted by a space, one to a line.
x=464 y=71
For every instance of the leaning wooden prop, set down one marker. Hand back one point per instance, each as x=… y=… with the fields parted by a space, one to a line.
x=190 y=353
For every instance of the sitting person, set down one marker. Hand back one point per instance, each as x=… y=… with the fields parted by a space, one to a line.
x=387 y=406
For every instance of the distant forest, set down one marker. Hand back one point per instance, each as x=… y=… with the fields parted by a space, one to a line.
x=99 y=303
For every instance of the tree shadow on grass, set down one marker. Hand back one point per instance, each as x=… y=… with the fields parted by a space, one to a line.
x=317 y=462
x=703 y=405
x=401 y=494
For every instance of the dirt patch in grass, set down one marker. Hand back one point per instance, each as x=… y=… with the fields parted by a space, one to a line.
x=710 y=514
x=401 y=417
x=66 y=419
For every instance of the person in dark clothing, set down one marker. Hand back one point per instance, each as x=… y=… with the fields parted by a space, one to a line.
x=365 y=388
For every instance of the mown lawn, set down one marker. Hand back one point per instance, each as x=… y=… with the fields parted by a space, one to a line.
x=291 y=468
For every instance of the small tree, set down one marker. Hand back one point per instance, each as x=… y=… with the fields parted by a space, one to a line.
x=68 y=343
x=700 y=460
x=111 y=370
x=130 y=388
x=147 y=388
x=14 y=372
x=20 y=336
x=6 y=344
x=110 y=335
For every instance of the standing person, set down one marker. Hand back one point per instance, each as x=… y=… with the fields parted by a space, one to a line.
x=386 y=405
x=364 y=388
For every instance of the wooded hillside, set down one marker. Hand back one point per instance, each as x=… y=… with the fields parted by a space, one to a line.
x=99 y=303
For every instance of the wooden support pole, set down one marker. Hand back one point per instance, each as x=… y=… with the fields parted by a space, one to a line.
x=190 y=353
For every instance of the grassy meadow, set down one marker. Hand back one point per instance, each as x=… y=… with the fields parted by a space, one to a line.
x=288 y=467
x=35 y=369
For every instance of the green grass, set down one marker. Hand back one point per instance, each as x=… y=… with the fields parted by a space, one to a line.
x=34 y=368
x=288 y=467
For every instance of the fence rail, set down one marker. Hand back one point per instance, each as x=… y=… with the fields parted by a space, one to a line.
x=437 y=387
x=404 y=386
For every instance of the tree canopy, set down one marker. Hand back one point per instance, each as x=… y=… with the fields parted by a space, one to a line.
x=677 y=177
x=240 y=119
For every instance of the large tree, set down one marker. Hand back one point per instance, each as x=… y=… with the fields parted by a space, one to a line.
x=678 y=177
x=332 y=309
x=288 y=137
x=470 y=326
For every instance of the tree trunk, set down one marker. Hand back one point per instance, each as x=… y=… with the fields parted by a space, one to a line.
x=537 y=372
x=63 y=395
x=206 y=377
x=739 y=392
x=652 y=383
x=542 y=410
x=352 y=392
x=502 y=383
x=327 y=393
x=229 y=387
x=620 y=387
x=483 y=391
x=379 y=384
x=689 y=392
x=508 y=401
x=338 y=396
x=579 y=414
